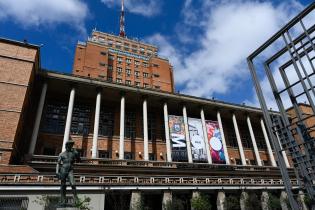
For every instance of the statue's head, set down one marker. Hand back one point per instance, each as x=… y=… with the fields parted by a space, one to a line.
x=69 y=145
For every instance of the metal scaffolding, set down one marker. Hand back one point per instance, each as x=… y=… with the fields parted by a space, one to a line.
x=287 y=61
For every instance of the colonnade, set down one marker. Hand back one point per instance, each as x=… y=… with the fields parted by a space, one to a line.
x=221 y=199
x=145 y=130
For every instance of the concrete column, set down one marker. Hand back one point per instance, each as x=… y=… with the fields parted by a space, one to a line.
x=136 y=200
x=243 y=199
x=205 y=134
x=195 y=194
x=226 y=154
x=167 y=200
x=122 y=128
x=167 y=134
x=270 y=153
x=68 y=120
x=239 y=141
x=264 y=200
x=38 y=118
x=221 y=201
x=189 y=153
x=301 y=198
x=283 y=200
x=145 y=130
x=252 y=136
x=284 y=155
x=96 y=124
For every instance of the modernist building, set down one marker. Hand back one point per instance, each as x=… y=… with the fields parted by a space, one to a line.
x=137 y=143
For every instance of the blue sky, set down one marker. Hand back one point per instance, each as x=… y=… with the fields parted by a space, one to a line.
x=207 y=41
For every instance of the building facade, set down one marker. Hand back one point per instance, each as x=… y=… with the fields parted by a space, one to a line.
x=138 y=144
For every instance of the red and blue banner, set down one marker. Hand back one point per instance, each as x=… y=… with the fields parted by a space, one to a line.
x=215 y=142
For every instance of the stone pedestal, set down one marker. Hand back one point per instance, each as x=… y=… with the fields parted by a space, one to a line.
x=264 y=200
x=301 y=198
x=221 y=201
x=283 y=200
x=195 y=194
x=167 y=199
x=243 y=199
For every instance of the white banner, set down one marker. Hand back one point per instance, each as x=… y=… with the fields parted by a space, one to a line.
x=198 y=147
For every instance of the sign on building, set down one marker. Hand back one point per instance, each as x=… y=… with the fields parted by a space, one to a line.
x=215 y=142
x=177 y=133
x=198 y=147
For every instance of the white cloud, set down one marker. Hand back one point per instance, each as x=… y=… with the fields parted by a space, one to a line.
x=228 y=31
x=45 y=12
x=141 y=7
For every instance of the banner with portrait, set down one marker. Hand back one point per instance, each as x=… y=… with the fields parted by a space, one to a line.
x=198 y=147
x=178 y=140
x=215 y=142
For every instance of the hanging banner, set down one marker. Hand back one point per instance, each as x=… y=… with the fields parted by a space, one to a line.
x=215 y=142
x=177 y=133
x=198 y=147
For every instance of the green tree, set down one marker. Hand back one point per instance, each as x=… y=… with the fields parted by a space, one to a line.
x=232 y=202
x=274 y=202
x=201 y=203
x=253 y=202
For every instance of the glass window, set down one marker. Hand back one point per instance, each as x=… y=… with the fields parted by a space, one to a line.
x=111 y=57
x=137 y=74
x=152 y=156
x=145 y=85
x=129 y=156
x=128 y=82
x=137 y=84
x=54 y=116
x=80 y=120
x=146 y=75
x=151 y=126
x=130 y=125
x=103 y=154
x=128 y=60
x=110 y=67
x=118 y=80
x=119 y=58
x=106 y=125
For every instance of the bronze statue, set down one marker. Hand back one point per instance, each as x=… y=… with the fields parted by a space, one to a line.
x=64 y=171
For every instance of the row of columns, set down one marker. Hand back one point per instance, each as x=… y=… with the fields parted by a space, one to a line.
x=145 y=131
x=136 y=198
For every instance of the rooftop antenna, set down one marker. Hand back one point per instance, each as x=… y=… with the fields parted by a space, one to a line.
x=122 y=21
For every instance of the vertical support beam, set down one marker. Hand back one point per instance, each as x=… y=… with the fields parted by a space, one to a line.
x=283 y=200
x=39 y=112
x=270 y=153
x=96 y=124
x=221 y=201
x=167 y=134
x=226 y=154
x=264 y=199
x=167 y=200
x=205 y=134
x=122 y=128
x=243 y=200
x=252 y=136
x=145 y=130
x=189 y=153
x=239 y=141
x=135 y=200
x=68 y=120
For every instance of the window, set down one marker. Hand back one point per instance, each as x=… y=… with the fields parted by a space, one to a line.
x=80 y=120
x=82 y=152
x=129 y=156
x=110 y=79
x=130 y=125
x=134 y=50
x=156 y=75
x=118 y=80
x=137 y=84
x=103 y=154
x=231 y=138
x=151 y=126
x=111 y=57
x=54 y=116
x=141 y=49
x=128 y=82
x=103 y=53
x=102 y=64
x=145 y=75
x=128 y=60
x=152 y=156
x=137 y=74
x=119 y=71
x=157 y=87
x=110 y=67
x=137 y=63
x=155 y=65
x=128 y=72
x=119 y=59
x=145 y=85
x=106 y=125
x=145 y=64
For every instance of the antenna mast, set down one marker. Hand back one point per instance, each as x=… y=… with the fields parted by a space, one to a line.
x=122 y=21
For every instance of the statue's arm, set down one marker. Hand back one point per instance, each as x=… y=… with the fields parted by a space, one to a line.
x=58 y=165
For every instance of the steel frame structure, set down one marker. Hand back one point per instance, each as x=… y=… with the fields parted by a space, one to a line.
x=292 y=136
